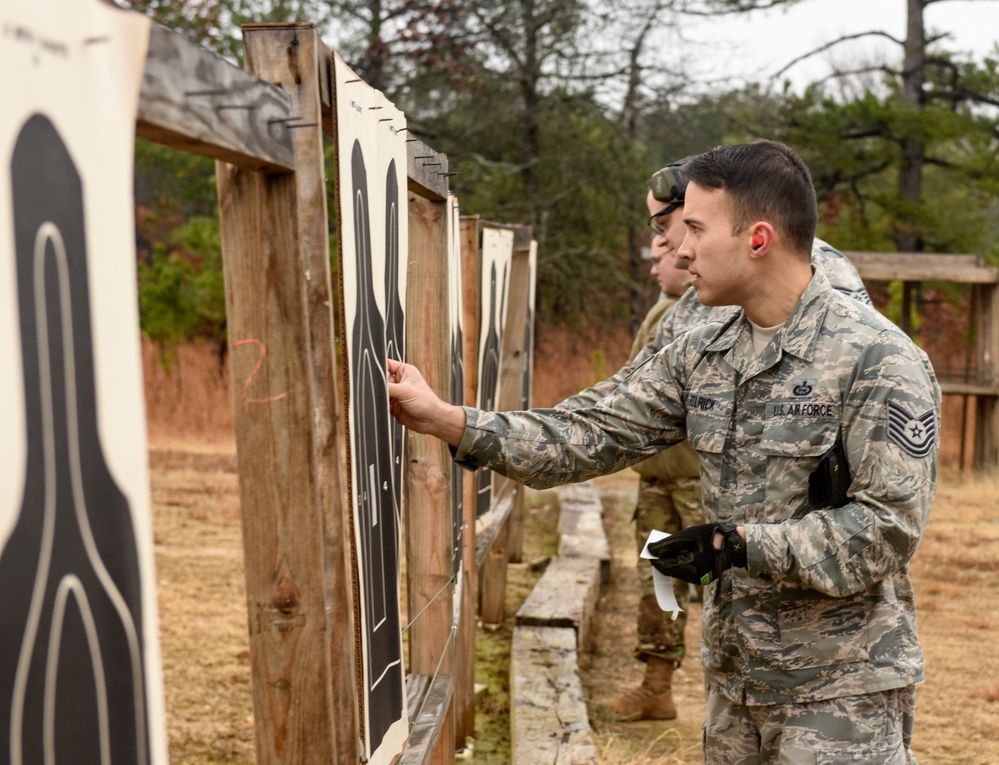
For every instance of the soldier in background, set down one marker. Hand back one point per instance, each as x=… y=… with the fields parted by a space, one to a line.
x=815 y=420
x=669 y=490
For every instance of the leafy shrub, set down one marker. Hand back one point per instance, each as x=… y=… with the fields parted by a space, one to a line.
x=181 y=290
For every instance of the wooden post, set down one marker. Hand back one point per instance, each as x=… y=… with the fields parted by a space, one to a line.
x=986 y=456
x=278 y=300
x=464 y=671
x=492 y=584
x=430 y=588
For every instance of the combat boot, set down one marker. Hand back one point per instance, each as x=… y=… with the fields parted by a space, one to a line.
x=652 y=700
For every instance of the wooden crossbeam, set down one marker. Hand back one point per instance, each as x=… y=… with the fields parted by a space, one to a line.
x=923 y=267
x=427 y=171
x=195 y=100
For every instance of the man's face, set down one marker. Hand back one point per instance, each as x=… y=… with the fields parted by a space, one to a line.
x=671 y=280
x=716 y=264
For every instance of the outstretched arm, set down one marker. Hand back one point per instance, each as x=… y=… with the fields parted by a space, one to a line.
x=416 y=406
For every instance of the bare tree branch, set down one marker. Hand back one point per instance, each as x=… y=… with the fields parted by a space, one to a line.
x=837 y=41
x=852 y=179
x=851 y=72
x=743 y=6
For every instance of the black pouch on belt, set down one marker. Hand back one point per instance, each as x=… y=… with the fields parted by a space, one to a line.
x=829 y=482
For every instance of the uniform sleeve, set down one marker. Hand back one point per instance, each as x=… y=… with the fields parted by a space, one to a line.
x=548 y=447
x=890 y=421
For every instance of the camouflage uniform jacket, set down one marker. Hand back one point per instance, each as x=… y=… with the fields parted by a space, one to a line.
x=825 y=608
x=689 y=312
x=679 y=460
x=650 y=324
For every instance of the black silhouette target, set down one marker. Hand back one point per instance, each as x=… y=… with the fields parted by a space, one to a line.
x=71 y=647
x=489 y=377
x=457 y=397
x=395 y=320
x=376 y=511
x=528 y=371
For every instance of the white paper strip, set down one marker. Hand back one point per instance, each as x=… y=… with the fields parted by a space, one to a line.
x=663 y=584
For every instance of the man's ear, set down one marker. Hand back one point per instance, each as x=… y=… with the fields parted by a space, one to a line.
x=761 y=237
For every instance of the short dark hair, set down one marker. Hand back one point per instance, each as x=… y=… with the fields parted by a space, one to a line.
x=765 y=180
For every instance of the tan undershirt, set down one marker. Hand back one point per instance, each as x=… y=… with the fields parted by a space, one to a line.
x=762 y=335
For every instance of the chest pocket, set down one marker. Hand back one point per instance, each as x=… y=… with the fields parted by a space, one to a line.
x=706 y=434
x=709 y=413
x=799 y=429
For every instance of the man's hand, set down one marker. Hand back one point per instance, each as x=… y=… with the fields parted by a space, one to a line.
x=699 y=554
x=416 y=406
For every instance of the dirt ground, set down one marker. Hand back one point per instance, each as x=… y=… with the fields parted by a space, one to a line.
x=206 y=662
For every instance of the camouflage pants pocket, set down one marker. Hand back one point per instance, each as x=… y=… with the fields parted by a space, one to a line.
x=884 y=754
x=867 y=729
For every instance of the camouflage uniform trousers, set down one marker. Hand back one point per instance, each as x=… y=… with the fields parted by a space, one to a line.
x=666 y=504
x=869 y=729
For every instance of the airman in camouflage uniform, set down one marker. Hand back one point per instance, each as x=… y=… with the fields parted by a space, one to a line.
x=810 y=650
x=669 y=493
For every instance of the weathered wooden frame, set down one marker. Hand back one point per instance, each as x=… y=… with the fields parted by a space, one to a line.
x=909 y=267
x=265 y=127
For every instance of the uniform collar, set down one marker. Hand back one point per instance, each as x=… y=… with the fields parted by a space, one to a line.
x=800 y=332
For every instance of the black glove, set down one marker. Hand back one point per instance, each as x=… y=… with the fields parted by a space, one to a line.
x=690 y=554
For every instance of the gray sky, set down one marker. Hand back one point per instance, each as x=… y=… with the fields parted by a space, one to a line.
x=761 y=43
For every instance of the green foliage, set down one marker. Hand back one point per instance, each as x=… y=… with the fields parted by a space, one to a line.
x=172 y=184
x=894 y=310
x=181 y=292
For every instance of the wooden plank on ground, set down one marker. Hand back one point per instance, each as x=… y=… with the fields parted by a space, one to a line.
x=922 y=267
x=275 y=249
x=193 y=99
x=566 y=595
x=581 y=526
x=548 y=720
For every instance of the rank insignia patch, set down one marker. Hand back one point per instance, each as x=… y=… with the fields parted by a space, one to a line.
x=915 y=434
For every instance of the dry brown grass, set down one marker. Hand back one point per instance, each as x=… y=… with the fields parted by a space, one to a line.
x=202 y=604
x=188 y=398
